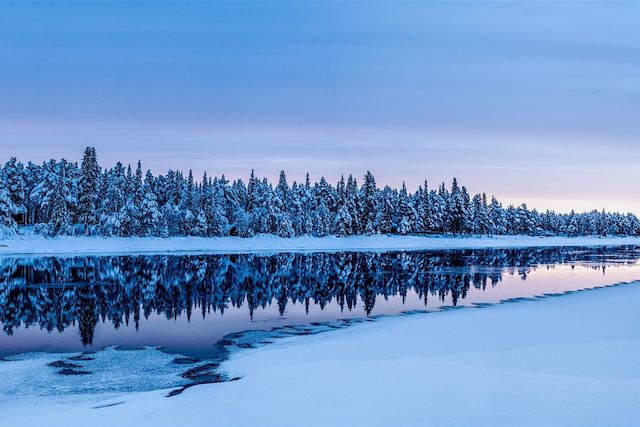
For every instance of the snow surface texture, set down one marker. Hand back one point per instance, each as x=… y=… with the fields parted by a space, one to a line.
x=111 y=371
x=570 y=360
x=37 y=245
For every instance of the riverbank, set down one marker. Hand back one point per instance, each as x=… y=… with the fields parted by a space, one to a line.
x=569 y=360
x=30 y=244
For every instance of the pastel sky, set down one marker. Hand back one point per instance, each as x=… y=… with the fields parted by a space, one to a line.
x=534 y=101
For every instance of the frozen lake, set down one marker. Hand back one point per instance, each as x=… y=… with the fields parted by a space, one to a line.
x=191 y=305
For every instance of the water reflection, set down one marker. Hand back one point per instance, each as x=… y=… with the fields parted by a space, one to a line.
x=82 y=293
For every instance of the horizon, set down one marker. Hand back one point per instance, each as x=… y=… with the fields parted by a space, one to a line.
x=534 y=102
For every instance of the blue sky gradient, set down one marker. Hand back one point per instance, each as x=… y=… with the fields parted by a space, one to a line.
x=535 y=101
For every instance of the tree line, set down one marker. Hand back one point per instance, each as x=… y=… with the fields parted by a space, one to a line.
x=64 y=198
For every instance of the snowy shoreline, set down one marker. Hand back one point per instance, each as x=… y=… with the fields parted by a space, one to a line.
x=30 y=244
x=506 y=364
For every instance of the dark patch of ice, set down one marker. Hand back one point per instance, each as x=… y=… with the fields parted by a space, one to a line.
x=81 y=358
x=108 y=405
x=63 y=364
x=185 y=361
x=68 y=371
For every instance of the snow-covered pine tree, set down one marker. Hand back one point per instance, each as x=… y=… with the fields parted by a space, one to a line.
x=424 y=209
x=213 y=207
x=149 y=183
x=572 y=224
x=456 y=209
x=88 y=188
x=239 y=189
x=440 y=209
x=151 y=219
x=296 y=210
x=126 y=218
x=341 y=189
x=164 y=226
x=284 y=226
x=435 y=220
x=60 y=222
x=480 y=220
x=368 y=204
x=525 y=221
x=137 y=190
x=188 y=209
x=351 y=202
x=173 y=218
x=386 y=204
x=282 y=190
x=264 y=214
x=13 y=173
x=205 y=201
x=116 y=195
x=307 y=182
x=322 y=220
x=41 y=195
x=281 y=198
x=476 y=207
x=251 y=192
x=511 y=220
x=33 y=174
x=466 y=208
x=231 y=206
x=129 y=182
x=325 y=192
x=406 y=214
x=200 y=228
x=8 y=226
x=305 y=207
x=498 y=219
x=342 y=221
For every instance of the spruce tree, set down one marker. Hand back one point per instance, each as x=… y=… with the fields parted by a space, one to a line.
x=352 y=204
x=282 y=190
x=424 y=210
x=322 y=220
x=497 y=215
x=369 y=204
x=251 y=192
x=89 y=181
x=8 y=226
x=137 y=190
x=406 y=216
x=60 y=222
x=14 y=182
x=386 y=205
x=456 y=209
x=342 y=222
x=151 y=221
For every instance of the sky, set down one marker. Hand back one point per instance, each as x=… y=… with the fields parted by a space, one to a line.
x=533 y=101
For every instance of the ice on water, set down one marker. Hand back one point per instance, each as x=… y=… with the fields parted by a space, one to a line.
x=112 y=371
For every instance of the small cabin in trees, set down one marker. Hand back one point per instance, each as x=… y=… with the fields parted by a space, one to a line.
x=20 y=216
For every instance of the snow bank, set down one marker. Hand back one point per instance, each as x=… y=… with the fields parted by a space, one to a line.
x=570 y=360
x=38 y=245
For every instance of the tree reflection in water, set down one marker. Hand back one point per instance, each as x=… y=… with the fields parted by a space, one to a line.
x=56 y=293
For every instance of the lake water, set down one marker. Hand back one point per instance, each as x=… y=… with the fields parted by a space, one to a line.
x=192 y=305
